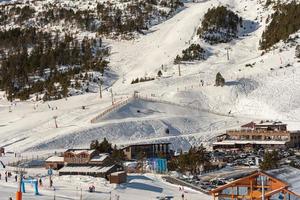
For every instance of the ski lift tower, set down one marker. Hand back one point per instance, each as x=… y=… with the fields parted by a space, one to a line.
x=21 y=172
x=112 y=96
x=228 y=49
x=55 y=121
x=136 y=94
x=100 y=87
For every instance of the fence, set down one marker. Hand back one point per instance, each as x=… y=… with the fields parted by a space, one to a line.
x=111 y=108
x=117 y=105
x=152 y=99
x=33 y=161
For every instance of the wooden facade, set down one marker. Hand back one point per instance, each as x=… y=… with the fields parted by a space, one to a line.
x=292 y=138
x=266 y=125
x=256 y=186
x=270 y=135
x=54 y=162
x=79 y=156
x=118 y=177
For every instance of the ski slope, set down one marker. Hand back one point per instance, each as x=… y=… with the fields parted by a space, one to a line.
x=194 y=114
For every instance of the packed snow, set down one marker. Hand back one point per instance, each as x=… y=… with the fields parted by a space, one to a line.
x=138 y=186
x=194 y=113
x=268 y=88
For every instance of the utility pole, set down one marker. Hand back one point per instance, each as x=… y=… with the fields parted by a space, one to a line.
x=227 y=48
x=100 y=88
x=19 y=192
x=55 y=117
x=112 y=96
x=50 y=180
x=54 y=197
x=179 y=70
x=80 y=193
x=262 y=188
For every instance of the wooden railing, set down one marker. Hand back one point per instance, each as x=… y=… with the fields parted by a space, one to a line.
x=111 y=108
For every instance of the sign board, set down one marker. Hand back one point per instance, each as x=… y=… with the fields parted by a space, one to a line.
x=50 y=172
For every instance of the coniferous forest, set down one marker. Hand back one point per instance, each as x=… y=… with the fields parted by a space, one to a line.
x=48 y=48
x=283 y=22
x=35 y=62
x=43 y=53
x=219 y=25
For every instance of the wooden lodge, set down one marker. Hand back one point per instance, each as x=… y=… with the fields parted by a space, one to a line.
x=256 y=186
x=86 y=158
x=269 y=134
x=79 y=156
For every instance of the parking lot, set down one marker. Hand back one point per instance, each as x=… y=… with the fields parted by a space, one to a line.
x=234 y=166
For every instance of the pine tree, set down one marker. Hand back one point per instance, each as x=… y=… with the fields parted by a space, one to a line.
x=159 y=73
x=104 y=146
x=297 y=53
x=94 y=144
x=177 y=60
x=118 y=154
x=220 y=81
x=270 y=161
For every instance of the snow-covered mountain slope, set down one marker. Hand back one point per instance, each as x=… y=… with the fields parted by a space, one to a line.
x=145 y=121
x=258 y=86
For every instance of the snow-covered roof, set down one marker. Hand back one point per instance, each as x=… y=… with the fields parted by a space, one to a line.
x=117 y=173
x=86 y=169
x=269 y=123
x=55 y=159
x=233 y=142
x=262 y=123
x=99 y=158
x=105 y=169
x=144 y=144
x=130 y=163
x=289 y=174
x=249 y=125
x=79 y=151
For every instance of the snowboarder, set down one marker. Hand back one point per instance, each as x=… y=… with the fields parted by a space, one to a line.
x=0 y=176
x=16 y=178
x=5 y=178
x=40 y=182
x=182 y=196
x=10 y=198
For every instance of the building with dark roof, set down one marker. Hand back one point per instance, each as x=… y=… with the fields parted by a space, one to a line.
x=149 y=150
